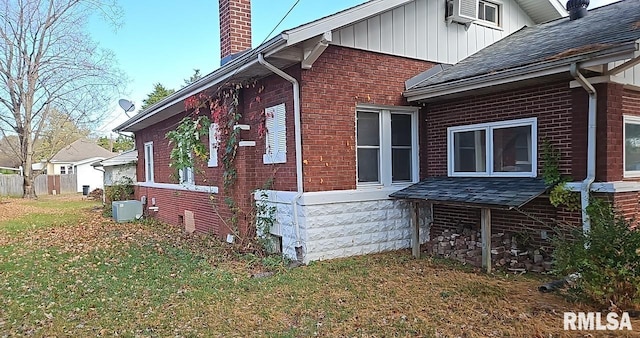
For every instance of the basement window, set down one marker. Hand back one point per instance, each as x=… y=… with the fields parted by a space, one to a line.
x=506 y=148
x=631 y=146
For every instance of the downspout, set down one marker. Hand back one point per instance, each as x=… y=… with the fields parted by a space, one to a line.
x=298 y=141
x=591 y=145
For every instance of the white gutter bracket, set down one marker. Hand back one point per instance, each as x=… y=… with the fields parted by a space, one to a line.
x=298 y=141
x=591 y=145
x=635 y=60
x=318 y=48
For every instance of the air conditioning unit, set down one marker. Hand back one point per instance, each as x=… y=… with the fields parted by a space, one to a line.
x=462 y=11
x=125 y=211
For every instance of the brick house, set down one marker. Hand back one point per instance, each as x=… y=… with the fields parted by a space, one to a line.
x=340 y=135
x=574 y=83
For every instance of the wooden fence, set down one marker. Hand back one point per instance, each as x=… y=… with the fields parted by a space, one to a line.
x=11 y=185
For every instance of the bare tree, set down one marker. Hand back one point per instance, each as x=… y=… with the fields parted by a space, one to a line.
x=49 y=63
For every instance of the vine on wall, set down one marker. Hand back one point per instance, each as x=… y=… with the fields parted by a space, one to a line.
x=191 y=137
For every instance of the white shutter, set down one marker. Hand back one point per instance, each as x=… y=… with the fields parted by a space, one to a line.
x=214 y=141
x=276 y=138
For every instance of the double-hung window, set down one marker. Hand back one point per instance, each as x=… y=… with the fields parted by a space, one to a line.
x=148 y=162
x=186 y=174
x=63 y=170
x=631 y=146
x=387 y=145
x=506 y=148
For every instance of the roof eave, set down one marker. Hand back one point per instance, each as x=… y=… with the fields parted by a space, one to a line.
x=520 y=73
x=357 y=13
x=230 y=69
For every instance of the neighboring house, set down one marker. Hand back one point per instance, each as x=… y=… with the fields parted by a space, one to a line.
x=340 y=135
x=572 y=83
x=77 y=158
x=119 y=168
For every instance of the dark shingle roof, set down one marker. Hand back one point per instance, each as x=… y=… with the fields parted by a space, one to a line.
x=492 y=192
x=79 y=150
x=603 y=28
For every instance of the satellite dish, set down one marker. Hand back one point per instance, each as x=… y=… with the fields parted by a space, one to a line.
x=127 y=105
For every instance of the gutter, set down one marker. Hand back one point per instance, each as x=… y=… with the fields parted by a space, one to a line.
x=591 y=145
x=520 y=73
x=298 y=141
x=233 y=67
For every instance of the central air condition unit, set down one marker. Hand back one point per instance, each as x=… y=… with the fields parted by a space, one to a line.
x=125 y=211
x=462 y=11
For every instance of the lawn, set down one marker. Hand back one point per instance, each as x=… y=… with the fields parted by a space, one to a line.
x=67 y=271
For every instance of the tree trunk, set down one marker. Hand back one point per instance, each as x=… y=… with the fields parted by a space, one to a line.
x=29 y=189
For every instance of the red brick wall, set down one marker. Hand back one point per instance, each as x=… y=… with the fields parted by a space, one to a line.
x=339 y=80
x=551 y=104
x=251 y=172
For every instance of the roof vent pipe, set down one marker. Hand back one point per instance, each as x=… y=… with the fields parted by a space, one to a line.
x=577 y=9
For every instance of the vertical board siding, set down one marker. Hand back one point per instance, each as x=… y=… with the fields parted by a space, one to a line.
x=11 y=185
x=631 y=75
x=418 y=30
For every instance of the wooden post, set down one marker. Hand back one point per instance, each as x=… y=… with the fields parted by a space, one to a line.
x=485 y=223
x=415 y=225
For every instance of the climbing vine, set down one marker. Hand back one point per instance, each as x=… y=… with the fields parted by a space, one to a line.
x=190 y=137
x=559 y=194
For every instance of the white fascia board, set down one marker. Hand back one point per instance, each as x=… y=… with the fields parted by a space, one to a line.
x=559 y=7
x=340 y=19
x=88 y=160
x=182 y=187
x=516 y=74
x=221 y=74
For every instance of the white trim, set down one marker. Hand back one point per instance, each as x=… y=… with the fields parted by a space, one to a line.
x=385 y=175
x=214 y=142
x=276 y=126
x=606 y=187
x=635 y=120
x=499 y=6
x=340 y=19
x=333 y=196
x=489 y=156
x=148 y=157
x=182 y=187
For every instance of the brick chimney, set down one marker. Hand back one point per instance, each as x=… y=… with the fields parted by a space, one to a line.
x=235 y=28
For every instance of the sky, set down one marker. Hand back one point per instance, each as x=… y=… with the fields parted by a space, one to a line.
x=164 y=41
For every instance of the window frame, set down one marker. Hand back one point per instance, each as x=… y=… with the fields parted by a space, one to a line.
x=214 y=143
x=628 y=119
x=489 y=151
x=148 y=162
x=63 y=169
x=273 y=131
x=385 y=164
x=494 y=4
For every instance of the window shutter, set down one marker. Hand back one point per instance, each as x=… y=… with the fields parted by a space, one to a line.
x=214 y=141
x=276 y=138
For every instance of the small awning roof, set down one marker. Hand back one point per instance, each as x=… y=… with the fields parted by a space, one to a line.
x=485 y=192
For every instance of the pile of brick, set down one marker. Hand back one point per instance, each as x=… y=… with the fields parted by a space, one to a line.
x=465 y=245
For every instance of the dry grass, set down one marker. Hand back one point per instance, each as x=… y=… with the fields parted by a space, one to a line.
x=94 y=277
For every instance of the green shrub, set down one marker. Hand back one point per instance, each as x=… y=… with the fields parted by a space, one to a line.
x=606 y=259
x=120 y=190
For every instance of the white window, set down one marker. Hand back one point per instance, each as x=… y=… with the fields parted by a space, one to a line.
x=148 y=162
x=70 y=169
x=631 y=146
x=276 y=137
x=63 y=170
x=387 y=145
x=185 y=175
x=214 y=141
x=507 y=148
x=489 y=12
